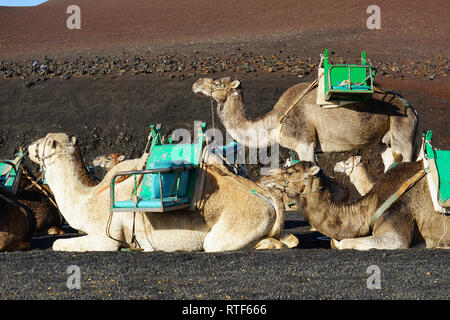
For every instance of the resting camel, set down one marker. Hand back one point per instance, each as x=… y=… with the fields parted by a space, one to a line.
x=410 y=220
x=108 y=161
x=357 y=173
x=307 y=127
x=229 y=217
x=23 y=215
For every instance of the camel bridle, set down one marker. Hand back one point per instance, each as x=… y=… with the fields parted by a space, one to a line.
x=305 y=179
x=41 y=157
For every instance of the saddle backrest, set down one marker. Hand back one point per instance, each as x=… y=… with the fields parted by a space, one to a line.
x=439 y=161
x=167 y=156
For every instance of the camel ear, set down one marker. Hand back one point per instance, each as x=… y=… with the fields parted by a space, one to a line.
x=73 y=140
x=121 y=158
x=339 y=167
x=357 y=159
x=313 y=170
x=235 y=84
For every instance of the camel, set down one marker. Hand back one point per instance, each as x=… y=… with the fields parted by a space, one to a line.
x=409 y=221
x=234 y=212
x=23 y=215
x=16 y=223
x=357 y=173
x=108 y=161
x=308 y=127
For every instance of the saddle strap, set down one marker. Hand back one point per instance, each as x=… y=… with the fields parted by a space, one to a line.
x=300 y=97
x=405 y=187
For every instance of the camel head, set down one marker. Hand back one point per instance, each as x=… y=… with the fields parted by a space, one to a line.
x=218 y=89
x=302 y=178
x=347 y=166
x=108 y=161
x=45 y=150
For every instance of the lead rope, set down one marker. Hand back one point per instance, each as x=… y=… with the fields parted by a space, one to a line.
x=212 y=108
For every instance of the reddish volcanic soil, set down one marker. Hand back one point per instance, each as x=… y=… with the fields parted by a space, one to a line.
x=415 y=29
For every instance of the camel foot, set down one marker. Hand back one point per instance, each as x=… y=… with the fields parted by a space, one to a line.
x=312 y=229
x=20 y=246
x=86 y=243
x=335 y=244
x=289 y=240
x=55 y=231
x=268 y=243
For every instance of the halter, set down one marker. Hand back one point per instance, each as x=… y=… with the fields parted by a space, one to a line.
x=305 y=179
x=42 y=158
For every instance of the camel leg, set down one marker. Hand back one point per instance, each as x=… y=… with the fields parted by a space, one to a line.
x=388 y=241
x=231 y=232
x=55 y=231
x=403 y=134
x=20 y=246
x=305 y=151
x=268 y=243
x=86 y=243
x=289 y=240
x=388 y=158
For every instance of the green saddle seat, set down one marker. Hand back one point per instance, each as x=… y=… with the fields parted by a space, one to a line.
x=440 y=165
x=10 y=174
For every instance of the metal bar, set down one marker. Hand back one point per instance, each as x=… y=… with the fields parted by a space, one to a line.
x=161 y=191
x=145 y=171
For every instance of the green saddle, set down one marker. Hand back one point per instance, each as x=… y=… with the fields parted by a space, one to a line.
x=10 y=174
x=439 y=161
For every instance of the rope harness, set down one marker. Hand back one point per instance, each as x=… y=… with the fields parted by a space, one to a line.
x=400 y=191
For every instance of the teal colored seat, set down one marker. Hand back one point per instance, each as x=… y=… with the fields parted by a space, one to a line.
x=9 y=175
x=161 y=191
x=440 y=159
x=152 y=203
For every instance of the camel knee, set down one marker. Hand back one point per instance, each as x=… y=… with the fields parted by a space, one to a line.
x=55 y=231
x=305 y=152
x=289 y=240
x=268 y=244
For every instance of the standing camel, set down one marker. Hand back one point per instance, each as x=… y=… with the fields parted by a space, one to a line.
x=308 y=127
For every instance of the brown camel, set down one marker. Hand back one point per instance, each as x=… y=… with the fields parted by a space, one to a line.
x=410 y=220
x=307 y=127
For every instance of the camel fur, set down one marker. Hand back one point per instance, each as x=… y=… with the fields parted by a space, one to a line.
x=409 y=221
x=108 y=161
x=229 y=217
x=307 y=127
x=355 y=170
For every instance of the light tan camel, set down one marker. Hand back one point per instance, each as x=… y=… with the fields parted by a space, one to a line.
x=108 y=161
x=308 y=127
x=355 y=170
x=230 y=216
x=408 y=221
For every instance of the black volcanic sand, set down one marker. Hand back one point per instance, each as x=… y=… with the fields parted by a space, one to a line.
x=112 y=112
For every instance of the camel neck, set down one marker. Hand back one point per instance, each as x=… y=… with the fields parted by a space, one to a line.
x=70 y=192
x=258 y=133
x=335 y=220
